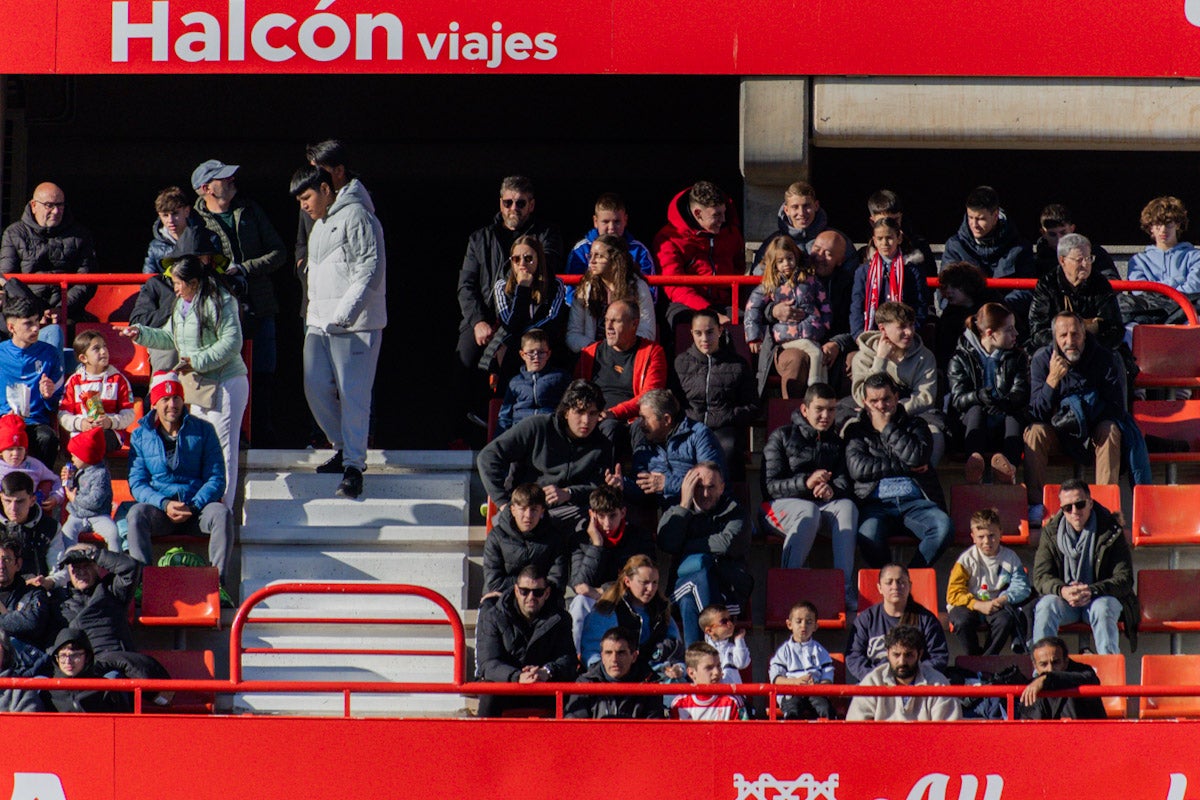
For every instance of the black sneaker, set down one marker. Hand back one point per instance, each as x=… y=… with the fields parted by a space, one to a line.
x=333 y=466
x=351 y=485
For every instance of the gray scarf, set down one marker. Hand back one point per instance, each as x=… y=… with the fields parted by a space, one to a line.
x=1077 y=549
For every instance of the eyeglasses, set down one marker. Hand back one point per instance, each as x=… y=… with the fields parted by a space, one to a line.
x=535 y=353
x=520 y=204
x=522 y=258
x=525 y=591
x=69 y=655
x=8 y=561
x=1081 y=259
x=44 y=204
x=1078 y=505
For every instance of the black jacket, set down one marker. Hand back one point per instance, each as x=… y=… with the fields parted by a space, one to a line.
x=507 y=551
x=254 y=245
x=25 y=612
x=544 y=452
x=35 y=534
x=903 y=445
x=505 y=641
x=597 y=565
x=1095 y=298
x=486 y=261
x=793 y=452
x=1095 y=371
x=596 y=706
x=1112 y=565
x=718 y=390
x=103 y=611
x=1074 y=676
x=90 y=700
x=965 y=374
x=66 y=248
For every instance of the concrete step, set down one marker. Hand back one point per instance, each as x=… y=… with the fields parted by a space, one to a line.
x=294 y=499
x=378 y=461
x=445 y=573
x=392 y=536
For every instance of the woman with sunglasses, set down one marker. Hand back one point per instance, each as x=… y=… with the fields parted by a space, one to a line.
x=527 y=296
x=635 y=601
x=611 y=275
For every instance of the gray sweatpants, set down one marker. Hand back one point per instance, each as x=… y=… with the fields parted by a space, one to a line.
x=215 y=521
x=339 y=373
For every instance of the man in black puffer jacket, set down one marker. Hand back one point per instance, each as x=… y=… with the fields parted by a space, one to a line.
x=99 y=606
x=618 y=664
x=522 y=534
x=887 y=455
x=523 y=636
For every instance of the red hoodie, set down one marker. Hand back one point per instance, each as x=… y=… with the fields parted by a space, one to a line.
x=683 y=249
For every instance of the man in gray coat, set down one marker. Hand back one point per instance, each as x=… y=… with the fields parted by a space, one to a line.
x=347 y=312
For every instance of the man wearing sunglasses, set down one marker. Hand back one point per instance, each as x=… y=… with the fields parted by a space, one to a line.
x=523 y=636
x=1084 y=571
x=485 y=262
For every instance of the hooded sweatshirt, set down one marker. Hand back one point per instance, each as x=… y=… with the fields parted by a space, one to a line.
x=684 y=249
x=916 y=373
x=347 y=265
x=1178 y=267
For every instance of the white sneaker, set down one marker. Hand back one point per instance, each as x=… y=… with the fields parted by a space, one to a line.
x=1036 y=515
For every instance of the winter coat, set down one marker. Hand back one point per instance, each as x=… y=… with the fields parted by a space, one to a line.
x=86 y=700
x=682 y=248
x=1096 y=371
x=611 y=706
x=967 y=380
x=803 y=237
x=66 y=248
x=215 y=352
x=686 y=446
x=19 y=699
x=658 y=636
x=505 y=641
x=916 y=373
x=649 y=372
x=1094 y=299
x=718 y=390
x=254 y=246
x=903 y=445
x=793 y=452
x=720 y=532
x=914 y=296
x=154 y=302
x=544 y=452
x=1003 y=254
x=530 y=393
x=103 y=611
x=1178 y=267
x=161 y=243
x=26 y=612
x=507 y=551
x=347 y=265
x=807 y=295
x=1112 y=561
x=197 y=474
x=486 y=261
x=1074 y=676
x=93 y=492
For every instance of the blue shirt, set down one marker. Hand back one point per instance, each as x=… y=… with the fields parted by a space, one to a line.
x=26 y=367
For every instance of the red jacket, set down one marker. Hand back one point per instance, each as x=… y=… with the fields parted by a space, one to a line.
x=649 y=372
x=683 y=249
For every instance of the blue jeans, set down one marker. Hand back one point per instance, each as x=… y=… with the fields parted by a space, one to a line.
x=693 y=591
x=879 y=519
x=1102 y=614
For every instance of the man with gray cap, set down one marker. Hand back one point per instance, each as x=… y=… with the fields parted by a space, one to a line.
x=254 y=250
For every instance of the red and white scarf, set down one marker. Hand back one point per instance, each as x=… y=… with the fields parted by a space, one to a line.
x=875 y=284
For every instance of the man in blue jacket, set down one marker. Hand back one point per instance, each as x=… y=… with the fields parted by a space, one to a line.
x=177 y=477
x=666 y=445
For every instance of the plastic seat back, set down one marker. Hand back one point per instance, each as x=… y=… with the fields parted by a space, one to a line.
x=1111 y=671
x=924 y=588
x=181 y=597
x=1105 y=494
x=186 y=665
x=1166 y=515
x=1010 y=501
x=1170 y=671
x=779 y=412
x=824 y=588
x=1167 y=355
x=1177 y=420
x=124 y=354
x=1169 y=601
x=113 y=302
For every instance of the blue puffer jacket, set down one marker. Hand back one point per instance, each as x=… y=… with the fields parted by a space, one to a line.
x=161 y=244
x=195 y=476
x=531 y=393
x=690 y=443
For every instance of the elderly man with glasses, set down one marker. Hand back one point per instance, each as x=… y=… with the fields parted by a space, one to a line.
x=523 y=636
x=1084 y=571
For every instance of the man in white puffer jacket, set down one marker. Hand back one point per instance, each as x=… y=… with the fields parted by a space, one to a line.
x=347 y=312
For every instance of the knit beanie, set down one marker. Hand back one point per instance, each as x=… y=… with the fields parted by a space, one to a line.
x=89 y=446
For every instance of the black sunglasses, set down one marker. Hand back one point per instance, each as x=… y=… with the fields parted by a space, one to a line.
x=518 y=203
x=1078 y=505
x=525 y=591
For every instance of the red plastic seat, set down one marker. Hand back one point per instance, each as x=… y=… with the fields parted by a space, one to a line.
x=124 y=354
x=493 y=420
x=1170 y=603
x=184 y=597
x=1009 y=500
x=113 y=302
x=1105 y=494
x=1167 y=355
x=1170 y=671
x=1166 y=515
x=1111 y=671
x=186 y=665
x=924 y=588
x=779 y=412
x=1170 y=419
x=824 y=588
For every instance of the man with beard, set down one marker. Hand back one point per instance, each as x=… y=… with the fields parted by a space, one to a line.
x=905 y=648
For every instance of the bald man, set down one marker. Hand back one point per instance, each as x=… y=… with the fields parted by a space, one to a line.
x=47 y=239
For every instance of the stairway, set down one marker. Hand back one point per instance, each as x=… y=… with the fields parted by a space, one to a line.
x=410 y=526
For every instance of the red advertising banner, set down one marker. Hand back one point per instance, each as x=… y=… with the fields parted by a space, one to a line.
x=76 y=757
x=1151 y=38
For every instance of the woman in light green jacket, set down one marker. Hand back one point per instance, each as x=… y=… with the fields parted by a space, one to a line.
x=206 y=330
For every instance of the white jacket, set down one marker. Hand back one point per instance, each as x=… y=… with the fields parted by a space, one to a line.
x=347 y=265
